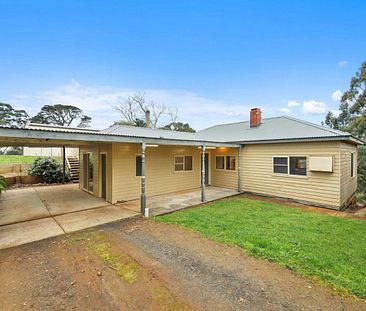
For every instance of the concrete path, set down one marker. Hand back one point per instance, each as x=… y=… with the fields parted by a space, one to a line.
x=167 y=203
x=33 y=214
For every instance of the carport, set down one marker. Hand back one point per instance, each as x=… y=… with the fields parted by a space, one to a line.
x=39 y=212
x=35 y=213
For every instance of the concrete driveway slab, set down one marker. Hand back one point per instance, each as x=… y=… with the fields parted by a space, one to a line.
x=62 y=199
x=30 y=231
x=21 y=205
x=86 y=219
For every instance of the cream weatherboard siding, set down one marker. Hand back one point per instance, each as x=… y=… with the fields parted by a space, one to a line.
x=160 y=175
x=317 y=187
x=224 y=178
x=320 y=188
x=348 y=183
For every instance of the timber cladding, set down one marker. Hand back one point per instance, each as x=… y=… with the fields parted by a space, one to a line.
x=322 y=188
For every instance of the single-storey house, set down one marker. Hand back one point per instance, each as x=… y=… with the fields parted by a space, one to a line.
x=280 y=156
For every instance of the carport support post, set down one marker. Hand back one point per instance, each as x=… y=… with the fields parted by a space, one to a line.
x=63 y=164
x=143 y=196
x=239 y=181
x=203 y=186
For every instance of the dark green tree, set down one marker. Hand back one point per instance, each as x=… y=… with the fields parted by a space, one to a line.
x=179 y=126
x=352 y=118
x=12 y=117
x=62 y=115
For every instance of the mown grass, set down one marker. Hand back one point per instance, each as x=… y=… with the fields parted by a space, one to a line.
x=19 y=159
x=327 y=248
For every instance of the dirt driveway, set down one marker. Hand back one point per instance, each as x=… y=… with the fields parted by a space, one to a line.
x=142 y=265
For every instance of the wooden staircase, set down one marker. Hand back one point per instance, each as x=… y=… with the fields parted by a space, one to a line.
x=73 y=168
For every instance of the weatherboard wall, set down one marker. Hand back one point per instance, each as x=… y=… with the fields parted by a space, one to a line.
x=160 y=175
x=317 y=187
x=348 y=182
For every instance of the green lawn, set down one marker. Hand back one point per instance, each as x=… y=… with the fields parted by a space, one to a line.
x=331 y=249
x=17 y=159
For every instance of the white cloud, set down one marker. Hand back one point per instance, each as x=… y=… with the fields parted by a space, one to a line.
x=337 y=95
x=335 y=112
x=99 y=103
x=342 y=63
x=293 y=103
x=314 y=107
x=285 y=110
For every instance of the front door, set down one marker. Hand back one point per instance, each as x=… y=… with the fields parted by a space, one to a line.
x=103 y=161
x=207 y=168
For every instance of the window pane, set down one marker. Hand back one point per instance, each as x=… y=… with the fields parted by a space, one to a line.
x=352 y=164
x=90 y=171
x=280 y=160
x=179 y=159
x=188 y=163
x=280 y=165
x=280 y=169
x=220 y=163
x=298 y=165
x=179 y=167
x=138 y=166
x=230 y=163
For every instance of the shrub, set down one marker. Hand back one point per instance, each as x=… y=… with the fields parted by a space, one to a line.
x=48 y=169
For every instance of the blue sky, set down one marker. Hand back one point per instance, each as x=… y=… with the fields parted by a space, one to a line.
x=213 y=60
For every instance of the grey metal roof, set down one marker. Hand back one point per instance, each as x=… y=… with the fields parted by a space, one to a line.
x=277 y=129
x=147 y=132
x=282 y=128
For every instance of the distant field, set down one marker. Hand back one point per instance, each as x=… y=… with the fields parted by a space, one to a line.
x=17 y=159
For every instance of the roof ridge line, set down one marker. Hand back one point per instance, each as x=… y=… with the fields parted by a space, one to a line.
x=223 y=124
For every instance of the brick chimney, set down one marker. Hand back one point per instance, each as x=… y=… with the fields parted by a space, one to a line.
x=255 y=117
x=147 y=119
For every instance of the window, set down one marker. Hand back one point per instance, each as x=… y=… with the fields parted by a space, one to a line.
x=280 y=165
x=230 y=163
x=298 y=166
x=226 y=163
x=220 y=162
x=88 y=171
x=183 y=163
x=352 y=164
x=138 y=165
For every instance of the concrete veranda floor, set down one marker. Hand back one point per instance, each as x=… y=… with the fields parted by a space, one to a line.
x=167 y=203
x=36 y=213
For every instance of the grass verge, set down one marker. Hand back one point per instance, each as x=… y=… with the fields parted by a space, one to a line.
x=18 y=159
x=330 y=249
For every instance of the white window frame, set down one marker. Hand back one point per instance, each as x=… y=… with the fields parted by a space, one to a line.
x=222 y=156
x=184 y=163
x=225 y=159
x=289 y=164
x=353 y=165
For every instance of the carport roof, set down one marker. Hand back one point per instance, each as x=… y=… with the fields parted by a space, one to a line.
x=58 y=136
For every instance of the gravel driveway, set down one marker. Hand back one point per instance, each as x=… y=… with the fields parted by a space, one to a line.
x=143 y=265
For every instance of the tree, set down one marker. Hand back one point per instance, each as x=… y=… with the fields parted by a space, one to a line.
x=179 y=126
x=62 y=115
x=134 y=109
x=12 y=117
x=352 y=118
